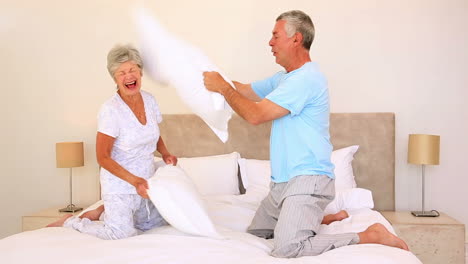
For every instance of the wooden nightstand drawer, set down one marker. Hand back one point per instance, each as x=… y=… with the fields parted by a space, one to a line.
x=432 y=239
x=42 y=218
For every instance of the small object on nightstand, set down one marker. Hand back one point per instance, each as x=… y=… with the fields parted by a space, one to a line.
x=424 y=150
x=432 y=213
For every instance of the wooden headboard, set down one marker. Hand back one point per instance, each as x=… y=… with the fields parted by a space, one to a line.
x=186 y=135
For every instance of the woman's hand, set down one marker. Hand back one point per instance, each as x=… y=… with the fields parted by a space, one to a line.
x=141 y=186
x=170 y=159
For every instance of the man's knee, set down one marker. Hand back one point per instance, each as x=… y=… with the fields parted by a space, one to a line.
x=286 y=250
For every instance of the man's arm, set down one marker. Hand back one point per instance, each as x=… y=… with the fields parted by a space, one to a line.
x=254 y=112
x=247 y=91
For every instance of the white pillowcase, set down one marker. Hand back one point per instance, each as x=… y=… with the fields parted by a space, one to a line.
x=344 y=176
x=213 y=175
x=256 y=179
x=171 y=61
x=175 y=196
x=349 y=199
x=256 y=175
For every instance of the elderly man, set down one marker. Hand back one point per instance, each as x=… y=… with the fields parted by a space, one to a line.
x=302 y=174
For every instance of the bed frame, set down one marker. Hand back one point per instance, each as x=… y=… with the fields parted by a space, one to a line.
x=186 y=135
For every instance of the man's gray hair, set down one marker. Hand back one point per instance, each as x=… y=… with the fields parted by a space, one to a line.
x=120 y=54
x=298 y=21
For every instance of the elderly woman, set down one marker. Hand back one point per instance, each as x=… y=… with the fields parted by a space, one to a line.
x=128 y=134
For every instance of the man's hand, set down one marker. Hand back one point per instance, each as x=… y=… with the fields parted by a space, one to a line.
x=169 y=159
x=141 y=186
x=214 y=82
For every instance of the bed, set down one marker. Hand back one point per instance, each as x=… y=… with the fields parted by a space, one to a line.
x=187 y=136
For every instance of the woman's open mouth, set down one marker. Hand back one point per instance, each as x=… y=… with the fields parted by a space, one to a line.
x=131 y=85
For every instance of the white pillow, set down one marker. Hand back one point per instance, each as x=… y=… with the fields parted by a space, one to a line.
x=344 y=176
x=256 y=178
x=171 y=61
x=213 y=175
x=178 y=201
x=256 y=174
x=349 y=199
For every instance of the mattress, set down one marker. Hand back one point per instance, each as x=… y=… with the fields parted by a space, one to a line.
x=230 y=213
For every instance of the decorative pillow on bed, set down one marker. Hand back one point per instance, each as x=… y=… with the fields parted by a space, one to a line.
x=213 y=175
x=349 y=199
x=175 y=196
x=256 y=174
x=344 y=176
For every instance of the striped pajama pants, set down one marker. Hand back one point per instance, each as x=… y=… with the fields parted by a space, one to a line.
x=292 y=213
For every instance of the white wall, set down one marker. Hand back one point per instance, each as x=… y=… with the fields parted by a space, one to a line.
x=407 y=57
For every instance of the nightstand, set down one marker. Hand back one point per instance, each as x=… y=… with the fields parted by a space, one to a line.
x=42 y=218
x=432 y=239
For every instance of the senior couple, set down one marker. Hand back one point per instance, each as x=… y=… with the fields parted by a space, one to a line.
x=297 y=102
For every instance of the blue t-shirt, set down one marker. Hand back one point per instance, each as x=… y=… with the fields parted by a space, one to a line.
x=300 y=141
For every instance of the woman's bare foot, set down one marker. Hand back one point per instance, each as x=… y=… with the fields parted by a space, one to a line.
x=60 y=222
x=378 y=234
x=328 y=219
x=93 y=215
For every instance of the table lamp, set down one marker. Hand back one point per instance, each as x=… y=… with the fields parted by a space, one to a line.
x=70 y=155
x=423 y=150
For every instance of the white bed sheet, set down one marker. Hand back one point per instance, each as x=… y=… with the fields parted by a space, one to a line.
x=231 y=214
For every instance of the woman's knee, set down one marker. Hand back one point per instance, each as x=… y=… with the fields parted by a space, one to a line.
x=116 y=233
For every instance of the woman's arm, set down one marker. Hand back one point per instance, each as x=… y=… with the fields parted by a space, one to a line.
x=166 y=155
x=104 y=144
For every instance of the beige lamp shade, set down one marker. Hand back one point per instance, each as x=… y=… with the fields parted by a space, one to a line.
x=69 y=154
x=423 y=149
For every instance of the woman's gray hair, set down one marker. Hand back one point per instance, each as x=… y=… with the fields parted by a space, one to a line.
x=120 y=54
x=298 y=21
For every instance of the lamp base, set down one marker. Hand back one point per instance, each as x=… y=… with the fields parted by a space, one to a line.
x=432 y=213
x=71 y=208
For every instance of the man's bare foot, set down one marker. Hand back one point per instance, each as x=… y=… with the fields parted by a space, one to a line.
x=60 y=222
x=378 y=234
x=93 y=215
x=328 y=219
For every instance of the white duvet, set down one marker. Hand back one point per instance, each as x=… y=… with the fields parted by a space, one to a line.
x=231 y=214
